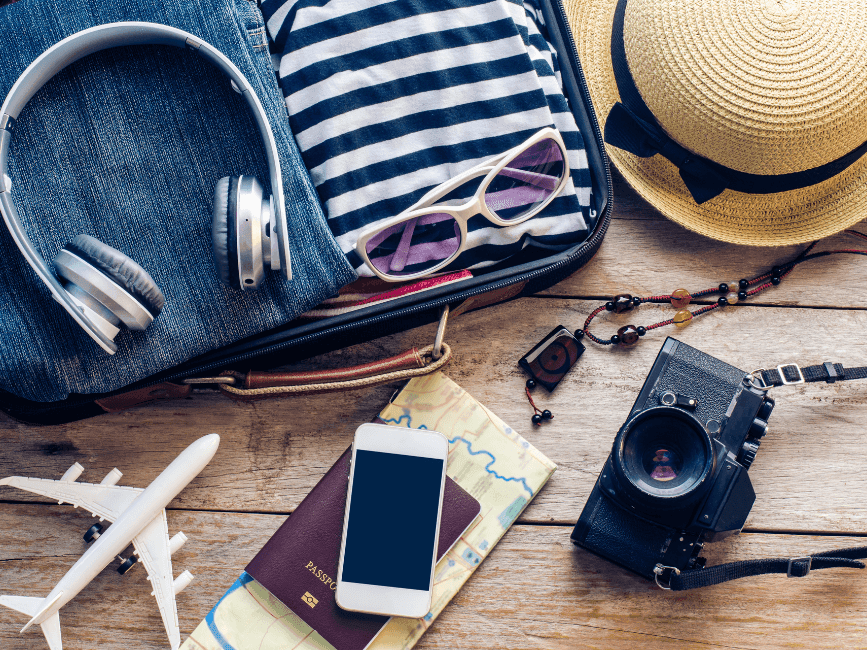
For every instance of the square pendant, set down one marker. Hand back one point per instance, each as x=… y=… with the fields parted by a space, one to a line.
x=550 y=360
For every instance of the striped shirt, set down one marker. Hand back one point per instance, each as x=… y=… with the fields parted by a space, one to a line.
x=388 y=99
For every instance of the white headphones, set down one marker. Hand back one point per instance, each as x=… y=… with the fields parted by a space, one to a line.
x=98 y=285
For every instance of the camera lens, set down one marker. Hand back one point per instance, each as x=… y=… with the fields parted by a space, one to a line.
x=663 y=456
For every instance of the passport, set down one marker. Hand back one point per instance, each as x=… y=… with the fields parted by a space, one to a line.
x=298 y=565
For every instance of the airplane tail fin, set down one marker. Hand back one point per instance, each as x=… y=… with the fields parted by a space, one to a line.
x=33 y=607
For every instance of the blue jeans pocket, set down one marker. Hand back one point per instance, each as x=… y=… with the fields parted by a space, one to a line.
x=251 y=17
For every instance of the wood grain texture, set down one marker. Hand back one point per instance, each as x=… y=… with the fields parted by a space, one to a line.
x=535 y=590
x=273 y=452
x=645 y=254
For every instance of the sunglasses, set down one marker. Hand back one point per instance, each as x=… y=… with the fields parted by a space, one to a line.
x=421 y=240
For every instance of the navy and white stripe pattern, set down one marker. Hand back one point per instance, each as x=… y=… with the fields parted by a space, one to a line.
x=389 y=98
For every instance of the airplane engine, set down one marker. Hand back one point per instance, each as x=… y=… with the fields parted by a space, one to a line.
x=72 y=473
x=182 y=582
x=176 y=542
x=112 y=477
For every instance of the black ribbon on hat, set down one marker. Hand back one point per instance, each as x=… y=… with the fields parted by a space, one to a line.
x=626 y=131
x=631 y=126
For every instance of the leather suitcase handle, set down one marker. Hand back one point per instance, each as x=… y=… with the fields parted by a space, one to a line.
x=260 y=385
x=258 y=379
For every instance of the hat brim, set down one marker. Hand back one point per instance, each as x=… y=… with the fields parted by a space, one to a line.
x=780 y=219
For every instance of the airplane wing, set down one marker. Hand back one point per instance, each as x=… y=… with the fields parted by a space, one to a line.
x=104 y=501
x=152 y=547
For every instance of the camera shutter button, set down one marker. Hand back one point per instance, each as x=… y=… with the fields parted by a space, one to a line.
x=748 y=452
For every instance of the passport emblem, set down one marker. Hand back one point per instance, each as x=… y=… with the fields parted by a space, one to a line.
x=309 y=599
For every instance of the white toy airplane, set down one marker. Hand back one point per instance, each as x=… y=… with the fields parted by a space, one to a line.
x=137 y=516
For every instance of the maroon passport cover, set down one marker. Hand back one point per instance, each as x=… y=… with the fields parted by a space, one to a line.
x=303 y=555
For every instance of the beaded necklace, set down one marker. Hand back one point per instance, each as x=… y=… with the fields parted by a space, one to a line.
x=555 y=353
x=732 y=293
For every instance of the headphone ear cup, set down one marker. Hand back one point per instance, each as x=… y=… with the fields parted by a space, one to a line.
x=223 y=230
x=116 y=282
x=240 y=232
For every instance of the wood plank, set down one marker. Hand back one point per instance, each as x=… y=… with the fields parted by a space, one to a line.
x=535 y=591
x=273 y=452
x=646 y=254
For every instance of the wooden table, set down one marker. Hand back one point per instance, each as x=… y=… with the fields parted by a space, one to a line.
x=535 y=590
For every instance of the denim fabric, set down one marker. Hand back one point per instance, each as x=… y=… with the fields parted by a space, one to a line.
x=127 y=145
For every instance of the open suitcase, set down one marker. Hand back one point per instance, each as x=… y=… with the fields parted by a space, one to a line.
x=520 y=276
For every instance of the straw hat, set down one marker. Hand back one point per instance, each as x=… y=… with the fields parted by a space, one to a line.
x=768 y=96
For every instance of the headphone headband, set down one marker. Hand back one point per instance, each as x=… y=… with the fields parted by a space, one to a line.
x=76 y=47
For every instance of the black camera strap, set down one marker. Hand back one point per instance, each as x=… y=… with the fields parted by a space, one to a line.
x=796 y=567
x=791 y=373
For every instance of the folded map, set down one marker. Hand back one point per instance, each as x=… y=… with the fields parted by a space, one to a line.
x=487 y=458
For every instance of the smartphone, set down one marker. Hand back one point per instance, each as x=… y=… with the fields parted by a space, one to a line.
x=392 y=521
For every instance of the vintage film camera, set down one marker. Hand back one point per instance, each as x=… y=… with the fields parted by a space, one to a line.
x=677 y=475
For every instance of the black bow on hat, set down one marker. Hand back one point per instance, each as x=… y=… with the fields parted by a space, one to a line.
x=625 y=130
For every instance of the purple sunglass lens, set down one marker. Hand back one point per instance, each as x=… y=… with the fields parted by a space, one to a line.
x=527 y=181
x=414 y=246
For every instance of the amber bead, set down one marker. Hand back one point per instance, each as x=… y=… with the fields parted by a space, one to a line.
x=682 y=318
x=628 y=336
x=680 y=298
x=732 y=298
x=622 y=302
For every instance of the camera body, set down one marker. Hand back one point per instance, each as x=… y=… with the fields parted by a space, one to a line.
x=677 y=475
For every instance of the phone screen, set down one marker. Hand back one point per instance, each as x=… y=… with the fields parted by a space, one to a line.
x=392 y=523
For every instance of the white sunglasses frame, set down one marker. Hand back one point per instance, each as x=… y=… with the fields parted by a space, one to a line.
x=473 y=206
